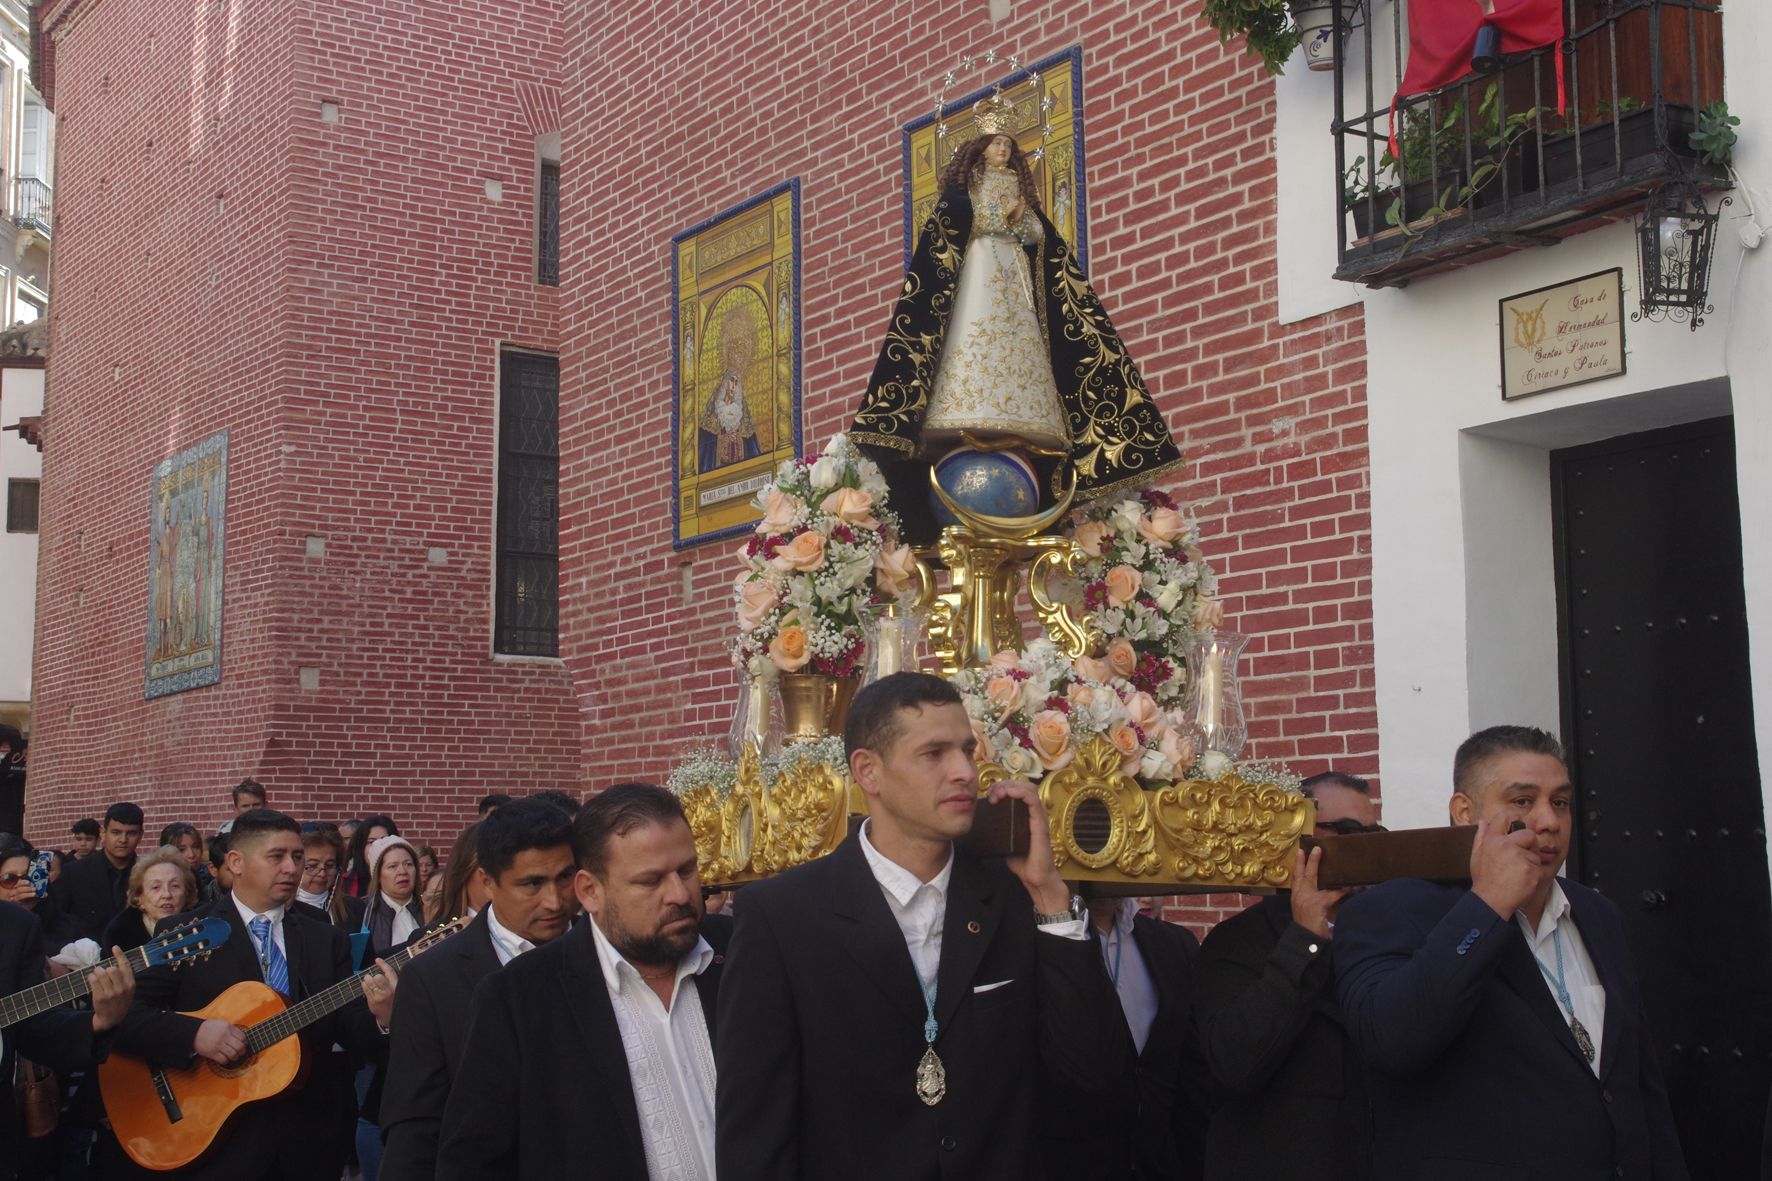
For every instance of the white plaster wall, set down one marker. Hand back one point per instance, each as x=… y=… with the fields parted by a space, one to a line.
x=21 y=395
x=1463 y=589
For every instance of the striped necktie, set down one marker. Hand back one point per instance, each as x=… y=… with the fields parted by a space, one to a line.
x=270 y=956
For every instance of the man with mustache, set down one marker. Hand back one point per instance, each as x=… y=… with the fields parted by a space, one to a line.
x=595 y=1052
x=1502 y=1026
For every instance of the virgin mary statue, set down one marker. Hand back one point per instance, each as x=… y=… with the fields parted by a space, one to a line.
x=997 y=342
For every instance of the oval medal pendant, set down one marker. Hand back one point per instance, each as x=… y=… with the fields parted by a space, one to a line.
x=932 y=1078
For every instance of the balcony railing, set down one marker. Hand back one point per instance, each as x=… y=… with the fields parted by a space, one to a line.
x=1487 y=165
x=31 y=204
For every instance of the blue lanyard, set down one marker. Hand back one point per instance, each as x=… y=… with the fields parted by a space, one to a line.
x=1558 y=980
x=930 y=1028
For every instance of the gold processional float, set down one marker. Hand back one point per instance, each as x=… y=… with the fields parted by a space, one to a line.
x=1001 y=466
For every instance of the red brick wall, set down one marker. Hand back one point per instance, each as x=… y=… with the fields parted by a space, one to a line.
x=335 y=295
x=672 y=113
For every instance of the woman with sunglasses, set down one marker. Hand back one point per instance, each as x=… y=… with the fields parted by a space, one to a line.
x=59 y=927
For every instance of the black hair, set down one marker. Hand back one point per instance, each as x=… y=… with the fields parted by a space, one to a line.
x=218 y=849
x=86 y=827
x=497 y=799
x=357 y=855
x=260 y=822
x=874 y=716
x=15 y=846
x=248 y=787
x=171 y=834
x=521 y=824
x=1484 y=745
x=1334 y=779
x=560 y=800
x=615 y=812
x=124 y=813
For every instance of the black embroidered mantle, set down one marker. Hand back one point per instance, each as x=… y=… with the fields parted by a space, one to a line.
x=1118 y=437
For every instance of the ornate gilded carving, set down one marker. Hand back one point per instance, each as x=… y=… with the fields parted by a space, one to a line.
x=1228 y=830
x=764 y=825
x=976 y=617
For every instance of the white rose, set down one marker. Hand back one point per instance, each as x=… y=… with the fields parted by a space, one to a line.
x=1168 y=597
x=1213 y=764
x=1021 y=762
x=825 y=473
x=1155 y=767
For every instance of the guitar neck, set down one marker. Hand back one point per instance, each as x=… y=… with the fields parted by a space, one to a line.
x=324 y=1003
x=60 y=990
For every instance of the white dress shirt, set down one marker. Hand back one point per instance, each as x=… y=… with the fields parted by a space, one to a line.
x=404 y=923
x=275 y=914
x=505 y=945
x=1586 y=992
x=1131 y=976
x=921 y=908
x=670 y=1062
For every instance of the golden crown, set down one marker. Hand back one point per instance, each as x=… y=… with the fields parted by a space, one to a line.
x=993 y=116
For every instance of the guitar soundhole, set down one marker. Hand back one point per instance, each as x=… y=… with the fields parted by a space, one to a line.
x=235 y=1071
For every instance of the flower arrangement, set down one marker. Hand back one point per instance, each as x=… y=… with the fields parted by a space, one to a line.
x=712 y=766
x=824 y=561
x=1147 y=588
x=1030 y=711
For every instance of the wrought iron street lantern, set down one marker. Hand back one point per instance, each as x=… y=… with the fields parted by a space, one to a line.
x=1676 y=235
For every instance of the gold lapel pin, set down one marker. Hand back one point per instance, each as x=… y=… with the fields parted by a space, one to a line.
x=974 y=927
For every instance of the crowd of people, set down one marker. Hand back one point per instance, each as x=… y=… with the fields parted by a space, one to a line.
x=899 y=1010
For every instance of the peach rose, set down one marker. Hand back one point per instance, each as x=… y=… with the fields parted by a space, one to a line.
x=1162 y=526
x=1208 y=613
x=1122 y=658
x=779 y=510
x=804 y=552
x=756 y=599
x=981 y=753
x=1178 y=749
x=1089 y=536
x=1091 y=668
x=1005 y=658
x=1051 y=738
x=853 y=506
x=1005 y=694
x=1145 y=713
x=895 y=571
x=1125 y=740
x=789 y=649
x=1123 y=585
x=1080 y=694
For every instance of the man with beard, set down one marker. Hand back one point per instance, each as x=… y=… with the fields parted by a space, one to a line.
x=598 y=1047
x=526 y=865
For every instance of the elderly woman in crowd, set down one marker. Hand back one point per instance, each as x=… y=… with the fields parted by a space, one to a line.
x=160 y=886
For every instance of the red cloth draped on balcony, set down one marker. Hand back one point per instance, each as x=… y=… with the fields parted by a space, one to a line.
x=1442 y=34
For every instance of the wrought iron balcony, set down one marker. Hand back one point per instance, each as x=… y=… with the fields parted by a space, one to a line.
x=31 y=204
x=1488 y=165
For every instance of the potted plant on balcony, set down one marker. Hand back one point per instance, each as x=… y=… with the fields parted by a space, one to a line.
x=1273 y=29
x=1600 y=150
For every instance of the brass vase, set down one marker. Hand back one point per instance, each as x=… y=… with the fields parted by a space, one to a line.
x=814 y=705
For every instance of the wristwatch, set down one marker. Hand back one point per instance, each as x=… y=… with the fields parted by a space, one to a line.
x=1076 y=911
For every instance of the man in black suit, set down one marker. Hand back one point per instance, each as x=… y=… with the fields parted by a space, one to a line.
x=96 y=889
x=894 y=1010
x=1152 y=1127
x=1502 y=1026
x=594 y=1053
x=64 y=1039
x=290 y=952
x=526 y=866
x=1292 y=1095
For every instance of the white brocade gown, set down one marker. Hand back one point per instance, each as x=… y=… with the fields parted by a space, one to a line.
x=994 y=376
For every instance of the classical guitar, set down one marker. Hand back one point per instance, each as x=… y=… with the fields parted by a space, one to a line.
x=177 y=947
x=165 y=1117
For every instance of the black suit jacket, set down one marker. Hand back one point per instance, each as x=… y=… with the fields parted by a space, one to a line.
x=293 y=1136
x=59 y=1038
x=92 y=892
x=822 y=1020
x=1152 y=1126
x=1292 y=1095
x=430 y=1026
x=1473 y=1071
x=545 y=1090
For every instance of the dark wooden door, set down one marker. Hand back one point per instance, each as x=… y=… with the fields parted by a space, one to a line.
x=1659 y=721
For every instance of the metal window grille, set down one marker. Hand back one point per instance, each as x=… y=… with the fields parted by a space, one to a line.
x=527 y=592
x=547 y=263
x=21 y=506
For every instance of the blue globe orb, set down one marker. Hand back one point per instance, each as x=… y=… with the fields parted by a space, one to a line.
x=991 y=483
